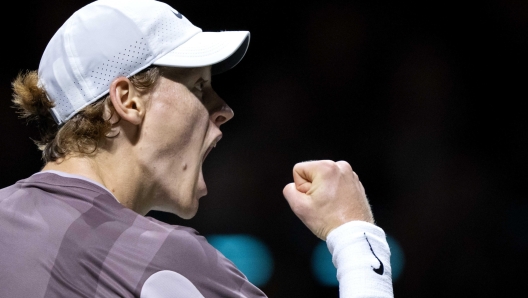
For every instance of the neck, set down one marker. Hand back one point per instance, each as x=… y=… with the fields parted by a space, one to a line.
x=117 y=177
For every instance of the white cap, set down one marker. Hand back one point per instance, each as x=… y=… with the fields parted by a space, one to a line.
x=107 y=39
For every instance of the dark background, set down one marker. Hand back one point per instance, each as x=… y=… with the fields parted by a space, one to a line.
x=422 y=98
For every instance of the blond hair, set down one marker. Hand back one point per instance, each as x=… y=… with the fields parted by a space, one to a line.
x=82 y=133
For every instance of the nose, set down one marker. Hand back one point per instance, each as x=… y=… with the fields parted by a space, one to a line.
x=220 y=112
x=222 y=115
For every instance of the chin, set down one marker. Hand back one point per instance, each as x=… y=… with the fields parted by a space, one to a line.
x=185 y=212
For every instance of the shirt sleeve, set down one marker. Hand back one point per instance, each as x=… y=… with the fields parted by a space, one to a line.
x=361 y=255
x=186 y=263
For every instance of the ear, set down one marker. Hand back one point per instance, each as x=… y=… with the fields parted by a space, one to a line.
x=127 y=101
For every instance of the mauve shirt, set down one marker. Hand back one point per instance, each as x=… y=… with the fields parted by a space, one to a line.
x=61 y=236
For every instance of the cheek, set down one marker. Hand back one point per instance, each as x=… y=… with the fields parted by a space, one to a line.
x=177 y=124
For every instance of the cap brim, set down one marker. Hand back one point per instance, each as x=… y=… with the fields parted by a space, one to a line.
x=222 y=50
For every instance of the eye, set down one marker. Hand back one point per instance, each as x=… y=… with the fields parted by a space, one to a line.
x=200 y=85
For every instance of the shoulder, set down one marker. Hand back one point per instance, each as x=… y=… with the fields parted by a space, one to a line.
x=59 y=186
x=181 y=246
x=185 y=258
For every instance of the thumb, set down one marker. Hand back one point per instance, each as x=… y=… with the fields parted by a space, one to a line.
x=290 y=192
x=293 y=196
x=298 y=201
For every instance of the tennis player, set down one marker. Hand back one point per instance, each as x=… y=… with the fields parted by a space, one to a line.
x=127 y=115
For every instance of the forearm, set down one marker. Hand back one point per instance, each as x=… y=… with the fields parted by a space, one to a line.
x=362 y=257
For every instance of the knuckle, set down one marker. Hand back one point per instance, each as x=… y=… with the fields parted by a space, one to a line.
x=302 y=164
x=344 y=166
x=328 y=166
x=296 y=166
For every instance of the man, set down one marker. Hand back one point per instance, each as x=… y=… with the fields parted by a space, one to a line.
x=124 y=102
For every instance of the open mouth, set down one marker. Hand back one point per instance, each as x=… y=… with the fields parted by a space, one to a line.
x=208 y=150
x=213 y=144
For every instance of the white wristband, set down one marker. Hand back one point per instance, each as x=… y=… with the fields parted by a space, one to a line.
x=361 y=255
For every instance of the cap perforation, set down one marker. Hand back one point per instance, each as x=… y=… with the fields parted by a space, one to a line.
x=158 y=31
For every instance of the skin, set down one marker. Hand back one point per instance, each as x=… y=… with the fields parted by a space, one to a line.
x=163 y=137
x=326 y=194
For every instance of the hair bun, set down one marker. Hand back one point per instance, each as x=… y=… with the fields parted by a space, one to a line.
x=30 y=100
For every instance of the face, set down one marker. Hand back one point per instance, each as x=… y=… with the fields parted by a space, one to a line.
x=181 y=126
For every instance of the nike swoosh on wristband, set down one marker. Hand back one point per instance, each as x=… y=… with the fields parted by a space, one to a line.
x=179 y=15
x=380 y=269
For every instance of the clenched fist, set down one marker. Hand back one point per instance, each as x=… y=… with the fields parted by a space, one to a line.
x=326 y=194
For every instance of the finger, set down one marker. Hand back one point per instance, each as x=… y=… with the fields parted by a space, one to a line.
x=305 y=173
x=303 y=176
